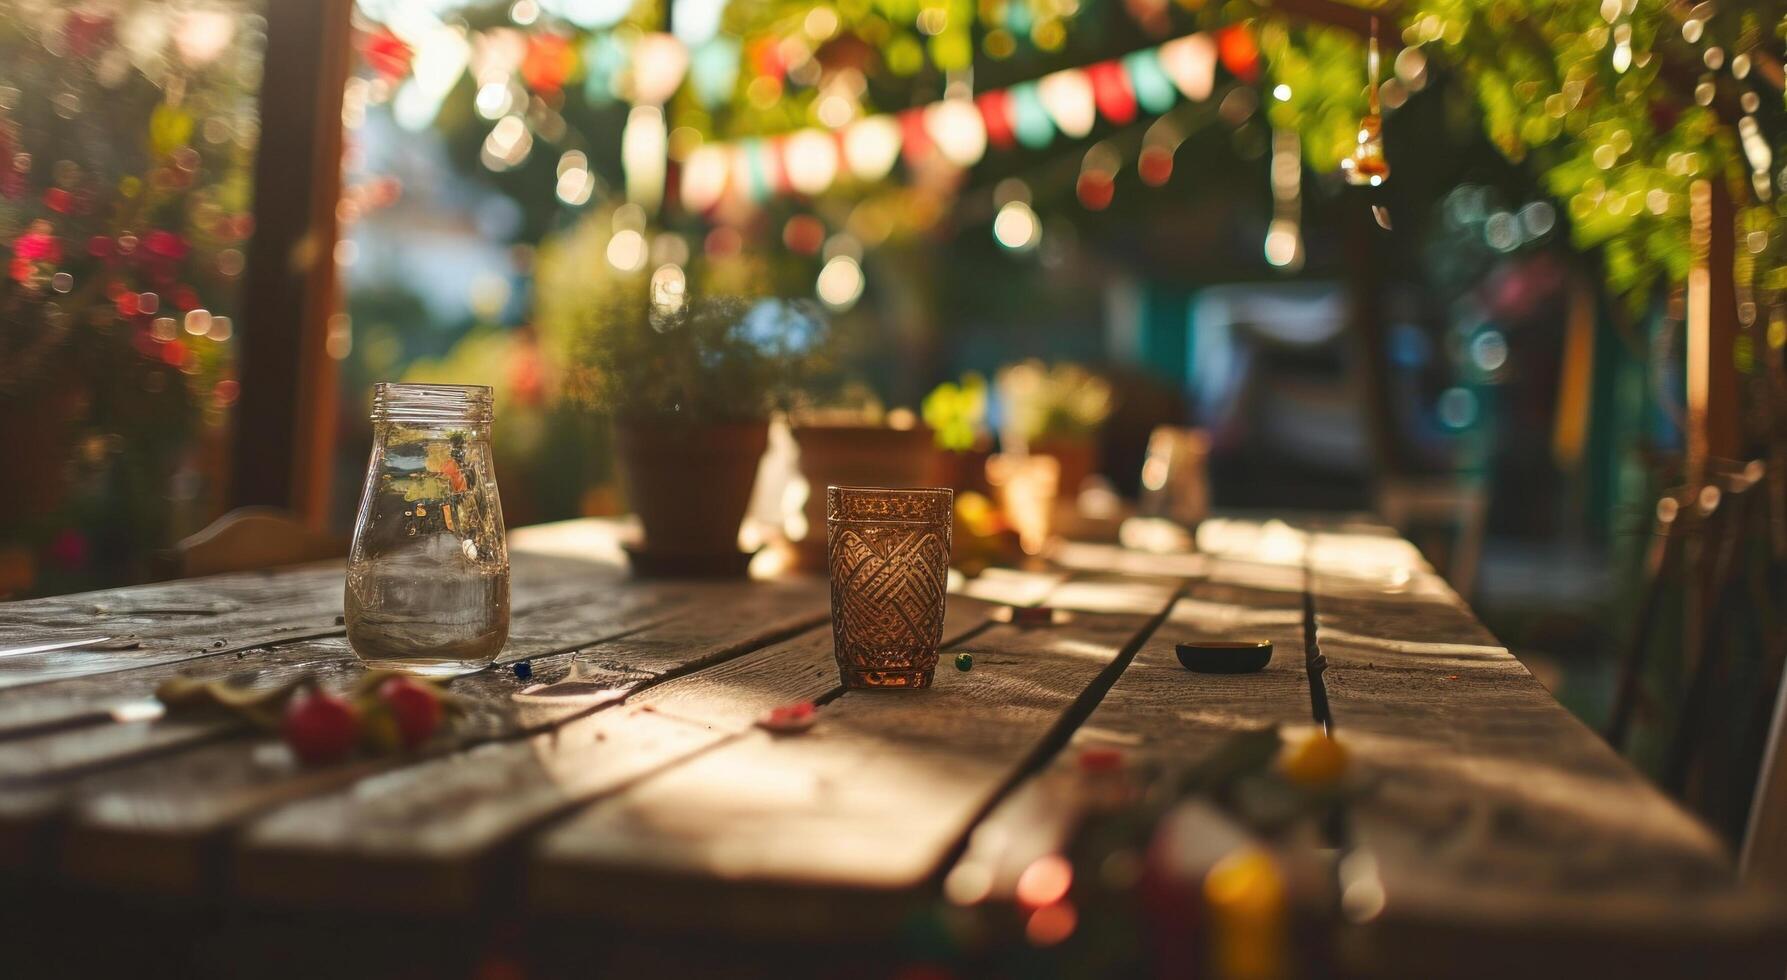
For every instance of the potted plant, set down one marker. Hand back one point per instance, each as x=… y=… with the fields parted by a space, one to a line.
x=690 y=385
x=854 y=442
x=1053 y=411
x=956 y=414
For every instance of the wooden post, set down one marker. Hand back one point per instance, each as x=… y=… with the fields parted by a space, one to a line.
x=1712 y=331
x=283 y=420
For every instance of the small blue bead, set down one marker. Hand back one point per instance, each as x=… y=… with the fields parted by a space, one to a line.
x=523 y=669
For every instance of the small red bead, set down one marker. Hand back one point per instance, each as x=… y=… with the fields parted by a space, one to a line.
x=1100 y=760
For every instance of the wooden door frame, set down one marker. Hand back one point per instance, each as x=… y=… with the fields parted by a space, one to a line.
x=284 y=420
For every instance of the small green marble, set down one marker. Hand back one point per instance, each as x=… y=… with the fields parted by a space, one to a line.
x=964 y=662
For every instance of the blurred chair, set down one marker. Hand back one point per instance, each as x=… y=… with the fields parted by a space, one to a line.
x=1764 y=855
x=1454 y=505
x=251 y=538
x=1176 y=475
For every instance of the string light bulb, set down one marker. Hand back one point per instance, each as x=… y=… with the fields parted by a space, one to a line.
x=871 y=146
x=704 y=177
x=1067 y=95
x=956 y=127
x=811 y=161
x=659 y=62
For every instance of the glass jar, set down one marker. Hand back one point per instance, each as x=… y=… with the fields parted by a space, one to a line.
x=428 y=574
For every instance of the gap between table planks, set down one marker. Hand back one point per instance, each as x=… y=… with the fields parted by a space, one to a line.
x=430 y=838
x=193 y=619
x=58 y=728
x=151 y=823
x=828 y=833
x=1506 y=831
x=1507 y=835
x=1156 y=713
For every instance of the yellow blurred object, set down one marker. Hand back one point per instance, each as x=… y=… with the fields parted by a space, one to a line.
x=977 y=516
x=982 y=537
x=18 y=570
x=1318 y=761
x=1245 y=894
x=1027 y=487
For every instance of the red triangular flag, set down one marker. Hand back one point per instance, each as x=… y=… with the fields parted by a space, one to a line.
x=1111 y=90
x=915 y=143
x=995 y=112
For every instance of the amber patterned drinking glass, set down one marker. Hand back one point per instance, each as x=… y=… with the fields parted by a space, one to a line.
x=888 y=551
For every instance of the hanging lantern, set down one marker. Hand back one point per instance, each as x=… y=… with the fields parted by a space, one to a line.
x=1067 y=95
x=1365 y=164
x=810 y=159
x=1155 y=165
x=956 y=128
x=871 y=146
x=1191 y=63
x=1097 y=183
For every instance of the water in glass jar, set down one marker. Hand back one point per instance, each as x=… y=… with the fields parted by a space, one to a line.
x=428 y=607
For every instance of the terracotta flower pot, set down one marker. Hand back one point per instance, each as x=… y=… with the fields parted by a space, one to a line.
x=690 y=486
x=964 y=471
x=854 y=456
x=1078 y=459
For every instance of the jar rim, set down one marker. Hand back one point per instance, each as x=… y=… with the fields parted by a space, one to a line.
x=442 y=403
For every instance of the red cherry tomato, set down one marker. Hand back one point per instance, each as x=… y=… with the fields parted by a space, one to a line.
x=320 y=727
x=415 y=706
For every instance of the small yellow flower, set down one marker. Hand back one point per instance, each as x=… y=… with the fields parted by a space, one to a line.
x=1317 y=761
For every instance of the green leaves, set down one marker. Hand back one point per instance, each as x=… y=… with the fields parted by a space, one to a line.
x=1617 y=135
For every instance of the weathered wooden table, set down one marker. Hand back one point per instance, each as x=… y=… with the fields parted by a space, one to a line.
x=620 y=811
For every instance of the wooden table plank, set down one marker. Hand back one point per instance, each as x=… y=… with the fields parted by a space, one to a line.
x=222 y=615
x=870 y=802
x=1507 y=836
x=431 y=837
x=1157 y=713
x=61 y=728
x=154 y=825
x=1501 y=824
x=428 y=838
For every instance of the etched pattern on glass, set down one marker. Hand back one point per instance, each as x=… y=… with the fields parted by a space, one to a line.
x=889 y=563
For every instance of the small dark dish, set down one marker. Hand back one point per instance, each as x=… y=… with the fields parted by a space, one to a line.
x=1225 y=656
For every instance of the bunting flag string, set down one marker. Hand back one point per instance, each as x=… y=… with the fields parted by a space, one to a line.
x=960 y=130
